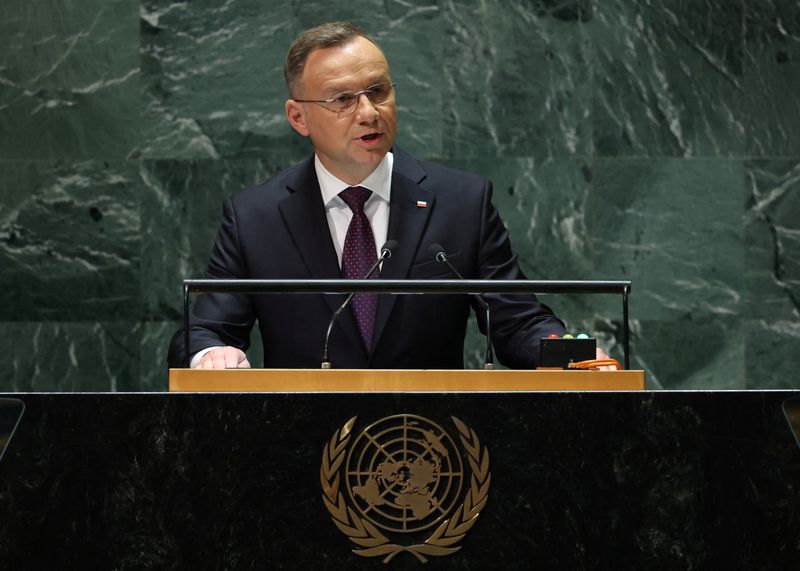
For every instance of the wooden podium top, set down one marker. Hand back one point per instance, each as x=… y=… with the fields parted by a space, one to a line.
x=399 y=380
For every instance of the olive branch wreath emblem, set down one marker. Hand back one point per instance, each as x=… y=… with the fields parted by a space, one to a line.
x=373 y=543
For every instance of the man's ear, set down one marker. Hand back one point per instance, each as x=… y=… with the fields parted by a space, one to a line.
x=296 y=114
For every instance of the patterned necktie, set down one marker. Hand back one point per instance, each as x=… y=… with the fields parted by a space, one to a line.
x=358 y=256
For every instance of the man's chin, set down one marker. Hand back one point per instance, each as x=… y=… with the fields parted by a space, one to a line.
x=357 y=166
x=367 y=157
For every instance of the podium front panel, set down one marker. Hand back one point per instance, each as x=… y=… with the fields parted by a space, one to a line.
x=572 y=480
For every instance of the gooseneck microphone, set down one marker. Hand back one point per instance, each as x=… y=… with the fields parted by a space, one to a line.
x=438 y=253
x=386 y=253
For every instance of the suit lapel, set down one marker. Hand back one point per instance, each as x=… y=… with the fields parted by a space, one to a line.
x=303 y=213
x=407 y=222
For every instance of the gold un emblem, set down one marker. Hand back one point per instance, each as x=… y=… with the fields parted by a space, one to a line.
x=401 y=486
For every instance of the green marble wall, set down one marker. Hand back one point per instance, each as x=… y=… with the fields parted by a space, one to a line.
x=657 y=141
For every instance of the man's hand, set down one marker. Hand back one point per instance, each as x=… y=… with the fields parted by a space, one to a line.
x=224 y=358
x=601 y=354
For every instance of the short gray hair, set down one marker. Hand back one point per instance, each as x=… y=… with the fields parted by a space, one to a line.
x=327 y=35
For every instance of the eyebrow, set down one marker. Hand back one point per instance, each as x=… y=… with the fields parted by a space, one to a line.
x=382 y=78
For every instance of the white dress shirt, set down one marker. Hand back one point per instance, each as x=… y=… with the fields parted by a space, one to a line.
x=339 y=214
x=376 y=208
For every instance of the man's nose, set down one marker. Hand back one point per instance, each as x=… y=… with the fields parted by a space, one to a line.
x=366 y=109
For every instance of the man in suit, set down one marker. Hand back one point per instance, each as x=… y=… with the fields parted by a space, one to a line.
x=315 y=220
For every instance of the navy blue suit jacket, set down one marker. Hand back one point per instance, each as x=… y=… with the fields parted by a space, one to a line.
x=278 y=230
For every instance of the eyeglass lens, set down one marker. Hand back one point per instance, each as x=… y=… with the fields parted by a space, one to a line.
x=377 y=94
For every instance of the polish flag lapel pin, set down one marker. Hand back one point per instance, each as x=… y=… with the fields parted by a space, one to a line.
x=422 y=204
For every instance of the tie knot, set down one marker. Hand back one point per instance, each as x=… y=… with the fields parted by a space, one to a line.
x=355 y=197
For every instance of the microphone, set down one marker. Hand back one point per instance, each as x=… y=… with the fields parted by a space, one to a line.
x=438 y=253
x=386 y=253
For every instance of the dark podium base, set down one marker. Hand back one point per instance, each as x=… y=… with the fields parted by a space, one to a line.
x=232 y=481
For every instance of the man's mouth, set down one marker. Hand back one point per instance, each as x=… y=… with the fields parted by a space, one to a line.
x=370 y=137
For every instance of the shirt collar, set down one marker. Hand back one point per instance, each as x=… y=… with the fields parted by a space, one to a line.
x=379 y=181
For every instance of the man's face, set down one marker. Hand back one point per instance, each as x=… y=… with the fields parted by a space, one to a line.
x=350 y=147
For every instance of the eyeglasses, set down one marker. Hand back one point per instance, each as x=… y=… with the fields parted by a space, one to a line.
x=345 y=103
